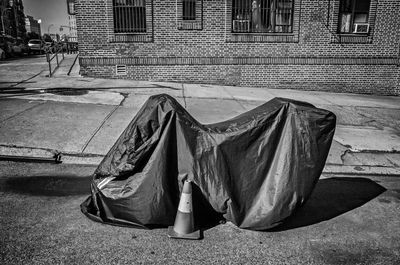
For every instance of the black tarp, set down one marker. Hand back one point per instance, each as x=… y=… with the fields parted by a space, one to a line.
x=253 y=170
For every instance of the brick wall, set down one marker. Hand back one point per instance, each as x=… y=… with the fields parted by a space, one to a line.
x=312 y=58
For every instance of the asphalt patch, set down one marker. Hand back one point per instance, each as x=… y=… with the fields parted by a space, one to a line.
x=47 y=185
x=67 y=91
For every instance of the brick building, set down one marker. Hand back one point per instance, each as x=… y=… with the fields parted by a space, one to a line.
x=73 y=34
x=329 y=45
x=32 y=25
x=12 y=18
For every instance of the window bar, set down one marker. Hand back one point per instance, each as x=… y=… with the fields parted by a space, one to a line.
x=129 y=20
x=280 y=5
x=143 y=18
x=115 y=18
x=121 y=17
x=184 y=9
x=135 y=18
x=140 y=18
x=191 y=10
x=188 y=10
x=125 y=10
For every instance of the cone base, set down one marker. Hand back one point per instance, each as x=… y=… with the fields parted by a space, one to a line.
x=172 y=234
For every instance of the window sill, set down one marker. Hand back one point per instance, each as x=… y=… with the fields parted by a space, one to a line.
x=131 y=37
x=190 y=25
x=261 y=37
x=353 y=38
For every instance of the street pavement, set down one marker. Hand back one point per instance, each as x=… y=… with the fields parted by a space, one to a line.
x=352 y=217
x=82 y=117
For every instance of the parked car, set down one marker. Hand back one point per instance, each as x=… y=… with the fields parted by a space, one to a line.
x=2 y=54
x=15 y=47
x=23 y=46
x=6 y=45
x=36 y=46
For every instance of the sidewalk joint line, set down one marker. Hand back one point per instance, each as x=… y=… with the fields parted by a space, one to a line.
x=99 y=127
x=233 y=98
x=183 y=95
x=15 y=115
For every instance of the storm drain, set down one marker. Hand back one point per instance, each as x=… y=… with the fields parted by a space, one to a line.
x=120 y=69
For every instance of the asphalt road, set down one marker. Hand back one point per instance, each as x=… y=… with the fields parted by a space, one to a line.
x=348 y=220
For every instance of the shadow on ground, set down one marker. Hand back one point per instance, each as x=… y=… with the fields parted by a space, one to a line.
x=330 y=198
x=13 y=91
x=47 y=185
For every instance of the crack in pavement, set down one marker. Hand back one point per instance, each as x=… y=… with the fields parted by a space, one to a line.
x=103 y=122
x=30 y=108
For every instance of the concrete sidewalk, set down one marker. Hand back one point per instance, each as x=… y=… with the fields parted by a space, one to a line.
x=83 y=117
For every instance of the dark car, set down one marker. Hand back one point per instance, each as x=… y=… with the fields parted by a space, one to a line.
x=36 y=46
x=23 y=45
x=6 y=45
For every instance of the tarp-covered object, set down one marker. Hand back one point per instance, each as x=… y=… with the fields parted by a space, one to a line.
x=254 y=169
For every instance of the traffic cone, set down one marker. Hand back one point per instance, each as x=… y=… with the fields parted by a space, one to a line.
x=184 y=221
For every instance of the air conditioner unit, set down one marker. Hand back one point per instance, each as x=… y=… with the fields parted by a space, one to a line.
x=241 y=25
x=361 y=28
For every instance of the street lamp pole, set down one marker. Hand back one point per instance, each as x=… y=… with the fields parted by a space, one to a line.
x=48 y=28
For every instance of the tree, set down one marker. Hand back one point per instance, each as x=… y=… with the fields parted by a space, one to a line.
x=47 y=37
x=32 y=35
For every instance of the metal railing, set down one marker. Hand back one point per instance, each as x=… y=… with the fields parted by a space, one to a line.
x=71 y=47
x=52 y=52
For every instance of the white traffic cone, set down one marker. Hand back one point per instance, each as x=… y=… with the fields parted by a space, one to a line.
x=184 y=221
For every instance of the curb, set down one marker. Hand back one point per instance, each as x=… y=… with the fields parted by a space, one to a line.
x=95 y=159
x=66 y=157
x=365 y=170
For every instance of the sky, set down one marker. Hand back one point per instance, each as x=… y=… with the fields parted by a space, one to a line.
x=50 y=12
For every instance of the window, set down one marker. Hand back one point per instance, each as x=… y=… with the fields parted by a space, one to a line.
x=262 y=16
x=71 y=7
x=353 y=16
x=189 y=9
x=129 y=16
x=189 y=14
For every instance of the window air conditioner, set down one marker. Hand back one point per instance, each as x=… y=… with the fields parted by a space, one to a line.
x=241 y=25
x=361 y=28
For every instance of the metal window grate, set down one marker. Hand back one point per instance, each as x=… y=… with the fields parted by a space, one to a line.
x=120 y=69
x=189 y=9
x=265 y=16
x=129 y=16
